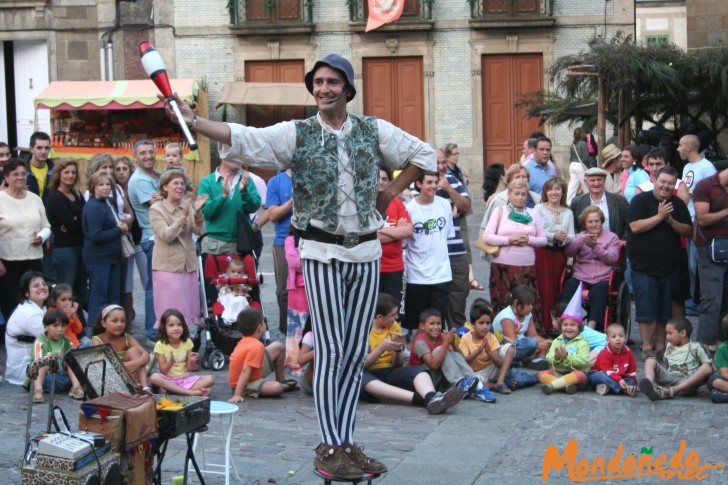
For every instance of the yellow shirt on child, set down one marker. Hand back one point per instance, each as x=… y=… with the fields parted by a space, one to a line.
x=376 y=337
x=179 y=369
x=469 y=344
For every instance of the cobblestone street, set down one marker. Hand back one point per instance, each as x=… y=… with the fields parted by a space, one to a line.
x=475 y=443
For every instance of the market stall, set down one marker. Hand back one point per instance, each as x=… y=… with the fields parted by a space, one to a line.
x=90 y=117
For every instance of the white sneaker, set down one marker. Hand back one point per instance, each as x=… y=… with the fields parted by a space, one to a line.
x=602 y=389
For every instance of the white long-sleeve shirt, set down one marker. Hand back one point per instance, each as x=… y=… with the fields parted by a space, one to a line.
x=272 y=147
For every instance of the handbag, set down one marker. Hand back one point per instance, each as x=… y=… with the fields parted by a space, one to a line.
x=484 y=246
x=718 y=246
x=127 y=243
x=719 y=250
x=249 y=241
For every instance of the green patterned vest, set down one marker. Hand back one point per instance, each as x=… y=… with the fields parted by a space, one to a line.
x=315 y=170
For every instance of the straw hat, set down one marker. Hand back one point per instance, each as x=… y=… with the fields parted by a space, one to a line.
x=609 y=153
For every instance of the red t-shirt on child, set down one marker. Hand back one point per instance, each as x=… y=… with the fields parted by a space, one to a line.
x=392 y=251
x=415 y=359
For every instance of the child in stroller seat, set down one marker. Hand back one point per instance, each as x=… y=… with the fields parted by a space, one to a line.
x=232 y=297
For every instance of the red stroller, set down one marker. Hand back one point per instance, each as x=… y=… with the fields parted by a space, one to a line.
x=217 y=339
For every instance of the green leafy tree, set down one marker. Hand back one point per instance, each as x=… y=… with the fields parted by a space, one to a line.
x=656 y=84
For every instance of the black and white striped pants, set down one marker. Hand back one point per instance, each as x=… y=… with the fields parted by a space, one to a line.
x=342 y=298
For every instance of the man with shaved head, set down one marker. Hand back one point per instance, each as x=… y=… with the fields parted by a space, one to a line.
x=696 y=169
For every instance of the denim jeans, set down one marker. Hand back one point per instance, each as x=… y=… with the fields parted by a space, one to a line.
x=690 y=304
x=600 y=377
x=104 y=288
x=525 y=346
x=71 y=270
x=523 y=379
x=149 y=318
x=63 y=381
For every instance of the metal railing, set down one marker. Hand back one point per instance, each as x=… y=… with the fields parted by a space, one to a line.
x=413 y=10
x=254 y=12
x=510 y=9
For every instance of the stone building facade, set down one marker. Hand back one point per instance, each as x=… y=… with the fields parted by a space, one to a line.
x=453 y=66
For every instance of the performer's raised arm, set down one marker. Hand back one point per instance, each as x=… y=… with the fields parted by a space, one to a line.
x=212 y=129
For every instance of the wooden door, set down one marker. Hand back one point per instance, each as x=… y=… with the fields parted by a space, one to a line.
x=505 y=79
x=393 y=89
x=262 y=115
x=30 y=61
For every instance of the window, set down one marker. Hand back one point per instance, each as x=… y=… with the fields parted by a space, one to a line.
x=656 y=40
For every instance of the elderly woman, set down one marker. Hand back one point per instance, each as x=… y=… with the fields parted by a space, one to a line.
x=611 y=163
x=65 y=207
x=595 y=251
x=558 y=225
x=24 y=228
x=514 y=172
x=102 y=245
x=25 y=324
x=517 y=230
x=174 y=261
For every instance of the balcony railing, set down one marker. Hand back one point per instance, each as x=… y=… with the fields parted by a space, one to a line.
x=510 y=9
x=414 y=10
x=267 y=12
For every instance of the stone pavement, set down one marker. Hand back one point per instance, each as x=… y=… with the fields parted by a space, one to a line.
x=474 y=443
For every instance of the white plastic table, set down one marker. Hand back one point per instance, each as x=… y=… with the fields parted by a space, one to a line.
x=226 y=413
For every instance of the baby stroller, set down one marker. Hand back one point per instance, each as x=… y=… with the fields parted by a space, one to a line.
x=217 y=338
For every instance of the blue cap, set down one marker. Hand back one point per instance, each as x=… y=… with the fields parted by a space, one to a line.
x=334 y=61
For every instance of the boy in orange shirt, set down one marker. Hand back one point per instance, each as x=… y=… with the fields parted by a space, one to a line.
x=252 y=363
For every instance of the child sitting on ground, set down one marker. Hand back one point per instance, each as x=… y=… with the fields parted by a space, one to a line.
x=232 y=298
x=305 y=358
x=385 y=376
x=489 y=359
x=718 y=382
x=175 y=359
x=615 y=369
x=516 y=326
x=688 y=365
x=252 y=364
x=596 y=339
x=110 y=329
x=173 y=157
x=437 y=351
x=569 y=353
x=468 y=326
x=54 y=342
x=62 y=299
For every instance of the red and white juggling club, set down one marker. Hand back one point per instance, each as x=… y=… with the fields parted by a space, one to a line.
x=157 y=71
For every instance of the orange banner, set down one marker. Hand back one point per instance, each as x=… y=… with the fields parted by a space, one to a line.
x=383 y=12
